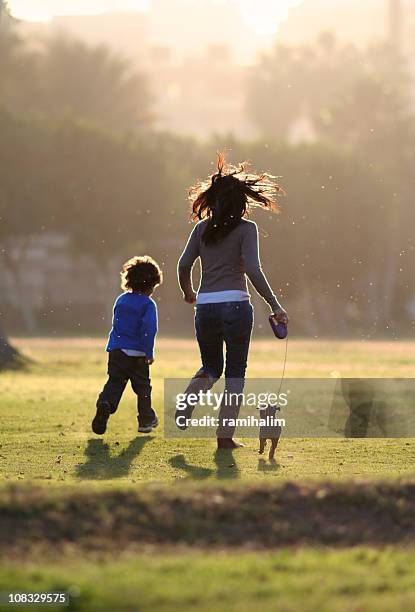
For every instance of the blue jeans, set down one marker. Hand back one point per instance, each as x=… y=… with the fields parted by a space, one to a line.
x=229 y=324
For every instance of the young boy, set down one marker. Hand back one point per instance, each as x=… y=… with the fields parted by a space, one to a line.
x=131 y=344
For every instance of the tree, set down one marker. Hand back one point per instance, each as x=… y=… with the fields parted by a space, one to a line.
x=23 y=197
x=17 y=64
x=373 y=113
x=290 y=82
x=9 y=356
x=67 y=76
x=102 y=188
x=375 y=118
x=359 y=102
x=92 y=83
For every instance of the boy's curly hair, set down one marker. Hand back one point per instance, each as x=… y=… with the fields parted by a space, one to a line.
x=141 y=274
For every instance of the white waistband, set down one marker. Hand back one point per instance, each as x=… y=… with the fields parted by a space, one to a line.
x=215 y=297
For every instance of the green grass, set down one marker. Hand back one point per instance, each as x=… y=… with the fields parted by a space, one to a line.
x=359 y=580
x=46 y=412
x=45 y=440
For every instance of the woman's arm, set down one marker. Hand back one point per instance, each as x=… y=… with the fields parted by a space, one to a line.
x=184 y=268
x=253 y=269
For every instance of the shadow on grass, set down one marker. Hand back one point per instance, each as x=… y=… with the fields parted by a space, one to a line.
x=225 y=466
x=101 y=465
x=268 y=466
x=193 y=471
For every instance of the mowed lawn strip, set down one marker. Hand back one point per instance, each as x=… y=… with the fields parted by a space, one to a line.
x=311 y=580
x=244 y=515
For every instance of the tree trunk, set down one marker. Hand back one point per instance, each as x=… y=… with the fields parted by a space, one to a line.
x=9 y=356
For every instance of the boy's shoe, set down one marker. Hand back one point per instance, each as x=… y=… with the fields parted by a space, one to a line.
x=149 y=427
x=99 y=423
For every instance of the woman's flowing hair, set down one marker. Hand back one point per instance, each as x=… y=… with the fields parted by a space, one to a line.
x=228 y=195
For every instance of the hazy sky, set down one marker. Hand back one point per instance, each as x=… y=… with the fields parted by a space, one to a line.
x=262 y=16
x=42 y=10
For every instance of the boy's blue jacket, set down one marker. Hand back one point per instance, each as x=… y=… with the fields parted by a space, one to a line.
x=134 y=324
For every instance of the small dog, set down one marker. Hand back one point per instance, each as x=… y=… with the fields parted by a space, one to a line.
x=269 y=432
x=263 y=443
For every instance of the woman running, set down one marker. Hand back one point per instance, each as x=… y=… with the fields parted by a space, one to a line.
x=227 y=245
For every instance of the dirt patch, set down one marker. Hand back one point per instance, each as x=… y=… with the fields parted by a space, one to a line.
x=257 y=516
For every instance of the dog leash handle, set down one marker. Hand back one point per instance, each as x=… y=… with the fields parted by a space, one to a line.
x=280 y=329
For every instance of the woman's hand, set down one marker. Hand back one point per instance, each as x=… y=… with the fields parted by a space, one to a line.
x=281 y=316
x=190 y=297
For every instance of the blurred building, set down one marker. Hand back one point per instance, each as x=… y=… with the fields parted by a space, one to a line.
x=47 y=286
x=352 y=21
x=190 y=26
x=125 y=33
x=196 y=68
x=200 y=94
x=402 y=30
x=197 y=53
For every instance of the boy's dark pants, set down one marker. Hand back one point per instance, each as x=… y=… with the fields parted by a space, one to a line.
x=121 y=369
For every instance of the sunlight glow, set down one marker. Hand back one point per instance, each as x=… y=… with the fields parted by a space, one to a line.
x=23 y=10
x=265 y=16
x=45 y=10
x=262 y=17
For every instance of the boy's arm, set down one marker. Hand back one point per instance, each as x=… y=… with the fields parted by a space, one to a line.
x=186 y=261
x=149 y=329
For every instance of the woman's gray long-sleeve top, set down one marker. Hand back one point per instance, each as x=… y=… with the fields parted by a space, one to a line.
x=224 y=265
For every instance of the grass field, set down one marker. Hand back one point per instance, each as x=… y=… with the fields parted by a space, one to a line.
x=47 y=448
x=45 y=433
x=328 y=581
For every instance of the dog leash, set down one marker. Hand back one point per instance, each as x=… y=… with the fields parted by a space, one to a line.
x=281 y=332
x=284 y=366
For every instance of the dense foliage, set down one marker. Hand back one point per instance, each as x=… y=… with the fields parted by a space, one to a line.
x=79 y=163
